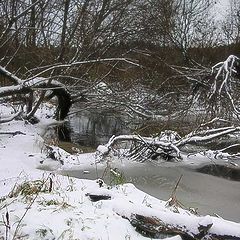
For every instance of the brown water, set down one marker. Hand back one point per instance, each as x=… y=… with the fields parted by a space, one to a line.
x=209 y=194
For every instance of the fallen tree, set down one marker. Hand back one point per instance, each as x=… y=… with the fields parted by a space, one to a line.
x=167 y=145
x=156 y=223
x=28 y=91
x=32 y=91
x=220 y=102
x=204 y=228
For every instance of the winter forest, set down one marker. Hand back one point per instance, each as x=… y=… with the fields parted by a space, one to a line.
x=119 y=119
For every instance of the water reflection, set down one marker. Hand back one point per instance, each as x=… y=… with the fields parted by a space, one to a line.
x=94 y=128
x=224 y=171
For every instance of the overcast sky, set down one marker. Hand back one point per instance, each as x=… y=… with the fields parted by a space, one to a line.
x=221 y=8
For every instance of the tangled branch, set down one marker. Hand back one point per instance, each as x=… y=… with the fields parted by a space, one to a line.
x=166 y=146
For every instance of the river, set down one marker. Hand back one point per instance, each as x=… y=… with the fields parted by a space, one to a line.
x=207 y=193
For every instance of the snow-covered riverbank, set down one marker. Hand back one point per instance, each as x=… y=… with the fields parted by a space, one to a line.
x=37 y=204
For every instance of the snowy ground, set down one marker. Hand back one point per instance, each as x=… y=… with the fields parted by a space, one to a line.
x=38 y=204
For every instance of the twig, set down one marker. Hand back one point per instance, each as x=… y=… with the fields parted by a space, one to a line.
x=173 y=201
x=9 y=119
x=176 y=186
x=12 y=133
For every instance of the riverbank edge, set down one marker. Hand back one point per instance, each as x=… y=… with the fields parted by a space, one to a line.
x=36 y=204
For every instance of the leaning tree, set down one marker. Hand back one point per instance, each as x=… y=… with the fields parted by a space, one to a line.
x=216 y=98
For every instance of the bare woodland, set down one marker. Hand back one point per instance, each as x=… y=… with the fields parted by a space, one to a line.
x=169 y=67
x=155 y=62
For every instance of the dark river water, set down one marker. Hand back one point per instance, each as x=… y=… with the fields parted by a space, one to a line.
x=205 y=192
x=92 y=129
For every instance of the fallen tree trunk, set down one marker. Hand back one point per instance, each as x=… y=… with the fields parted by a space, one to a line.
x=156 y=219
x=153 y=227
x=166 y=146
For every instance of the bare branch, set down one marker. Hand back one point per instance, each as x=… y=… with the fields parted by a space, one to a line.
x=74 y=64
x=15 y=18
x=9 y=119
x=13 y=78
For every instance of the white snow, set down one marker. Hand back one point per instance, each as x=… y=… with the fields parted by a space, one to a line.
x=61 y=208
x=102 y=149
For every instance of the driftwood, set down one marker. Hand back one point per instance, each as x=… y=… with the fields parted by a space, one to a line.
x=154 y=227
x=27 y=87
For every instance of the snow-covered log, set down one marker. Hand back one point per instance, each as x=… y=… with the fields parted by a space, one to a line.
x=166 y=146
x=155 y=222
x=202 y=228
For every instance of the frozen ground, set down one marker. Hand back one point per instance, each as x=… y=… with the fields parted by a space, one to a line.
x=38 y=204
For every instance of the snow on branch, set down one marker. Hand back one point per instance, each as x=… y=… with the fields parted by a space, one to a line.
x=208 y=135
x=13 y=78
x=142 y=148
x=166 y=146
x=10 y=118
x=225 y=71
x=74 y=64
x=26 y=89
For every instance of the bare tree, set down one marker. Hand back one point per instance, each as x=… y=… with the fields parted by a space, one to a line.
x=231 y=25
x=179 y=24
x=56 y=40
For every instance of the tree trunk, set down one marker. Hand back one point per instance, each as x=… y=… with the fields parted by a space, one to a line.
x=22 y=88
x=154 y=228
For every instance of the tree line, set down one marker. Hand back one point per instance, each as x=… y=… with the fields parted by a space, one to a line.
x=159 y=51
x=45 y=32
